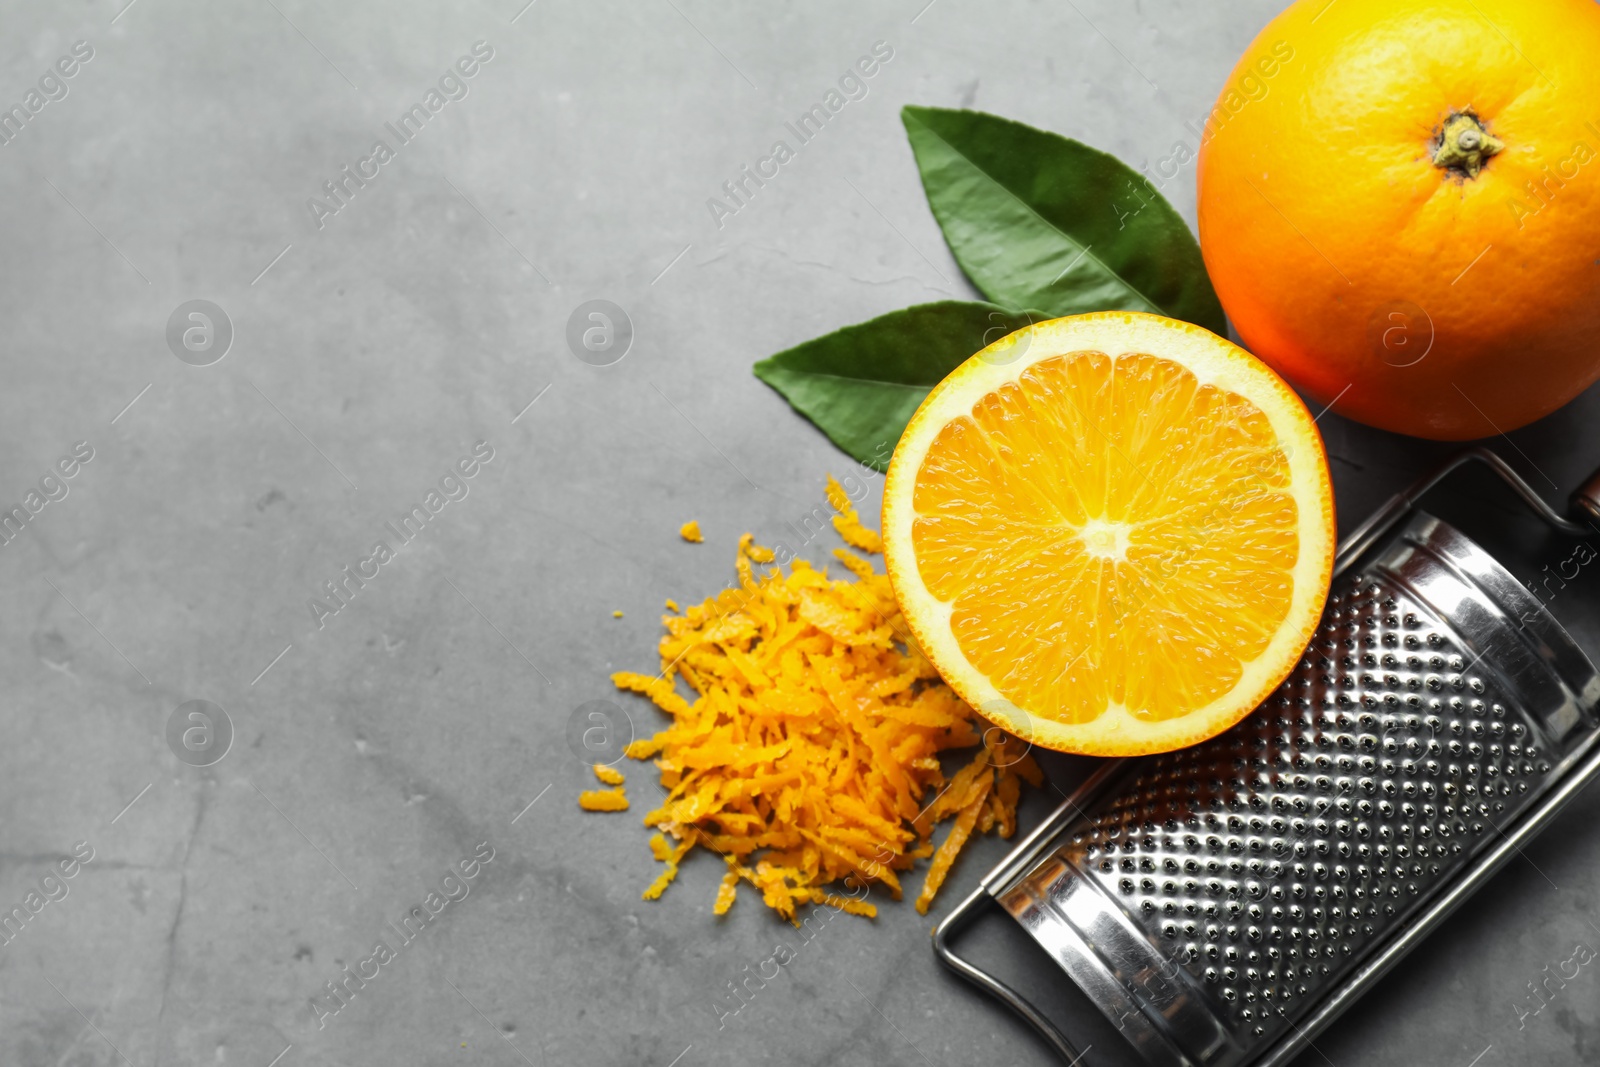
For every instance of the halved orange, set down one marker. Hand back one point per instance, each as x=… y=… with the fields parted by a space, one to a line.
x=1112 y=534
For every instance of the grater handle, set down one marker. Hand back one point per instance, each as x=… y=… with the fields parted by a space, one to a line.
x=987 y=982
x=1585 y=502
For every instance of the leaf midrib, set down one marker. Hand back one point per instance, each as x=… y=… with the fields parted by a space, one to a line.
x=858 y=381
x=1083 y=249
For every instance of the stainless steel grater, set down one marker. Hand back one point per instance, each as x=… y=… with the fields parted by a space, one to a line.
x=1223 y=903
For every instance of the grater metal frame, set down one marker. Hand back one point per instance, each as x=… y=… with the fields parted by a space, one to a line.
x=1583 y=768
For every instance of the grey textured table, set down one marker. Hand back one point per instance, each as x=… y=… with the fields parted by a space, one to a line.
x=371 y=347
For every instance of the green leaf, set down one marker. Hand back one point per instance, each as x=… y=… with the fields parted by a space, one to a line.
x=1041 y=221
x=861 y=384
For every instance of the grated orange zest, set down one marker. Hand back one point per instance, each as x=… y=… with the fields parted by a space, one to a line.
x=954 y=841
x=602 y=800
x=670 y=856
x=690 y=532
x=809 y=756
x=848 y=523
x=726 y=893
x=608 y=775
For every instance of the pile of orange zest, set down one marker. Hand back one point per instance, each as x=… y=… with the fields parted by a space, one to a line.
x=603 y=800
x=690 y=531
x=608 y=775
x=848 y=523
x=810 y=754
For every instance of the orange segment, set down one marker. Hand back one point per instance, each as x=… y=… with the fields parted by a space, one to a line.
x=1112 y=533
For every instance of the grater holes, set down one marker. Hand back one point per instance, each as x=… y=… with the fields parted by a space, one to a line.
x=1299 y=836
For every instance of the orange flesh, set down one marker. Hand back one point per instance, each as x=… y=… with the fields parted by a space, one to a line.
x=1109 y=533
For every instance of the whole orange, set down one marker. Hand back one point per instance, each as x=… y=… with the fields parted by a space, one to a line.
x=1400 y=207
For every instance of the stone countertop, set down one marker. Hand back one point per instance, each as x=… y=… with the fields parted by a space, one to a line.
x=356 y=358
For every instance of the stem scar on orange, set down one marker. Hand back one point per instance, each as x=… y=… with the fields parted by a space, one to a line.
x=1112 y=533
x=1400 y=207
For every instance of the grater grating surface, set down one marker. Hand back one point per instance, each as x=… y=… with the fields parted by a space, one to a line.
x=1265 y=861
